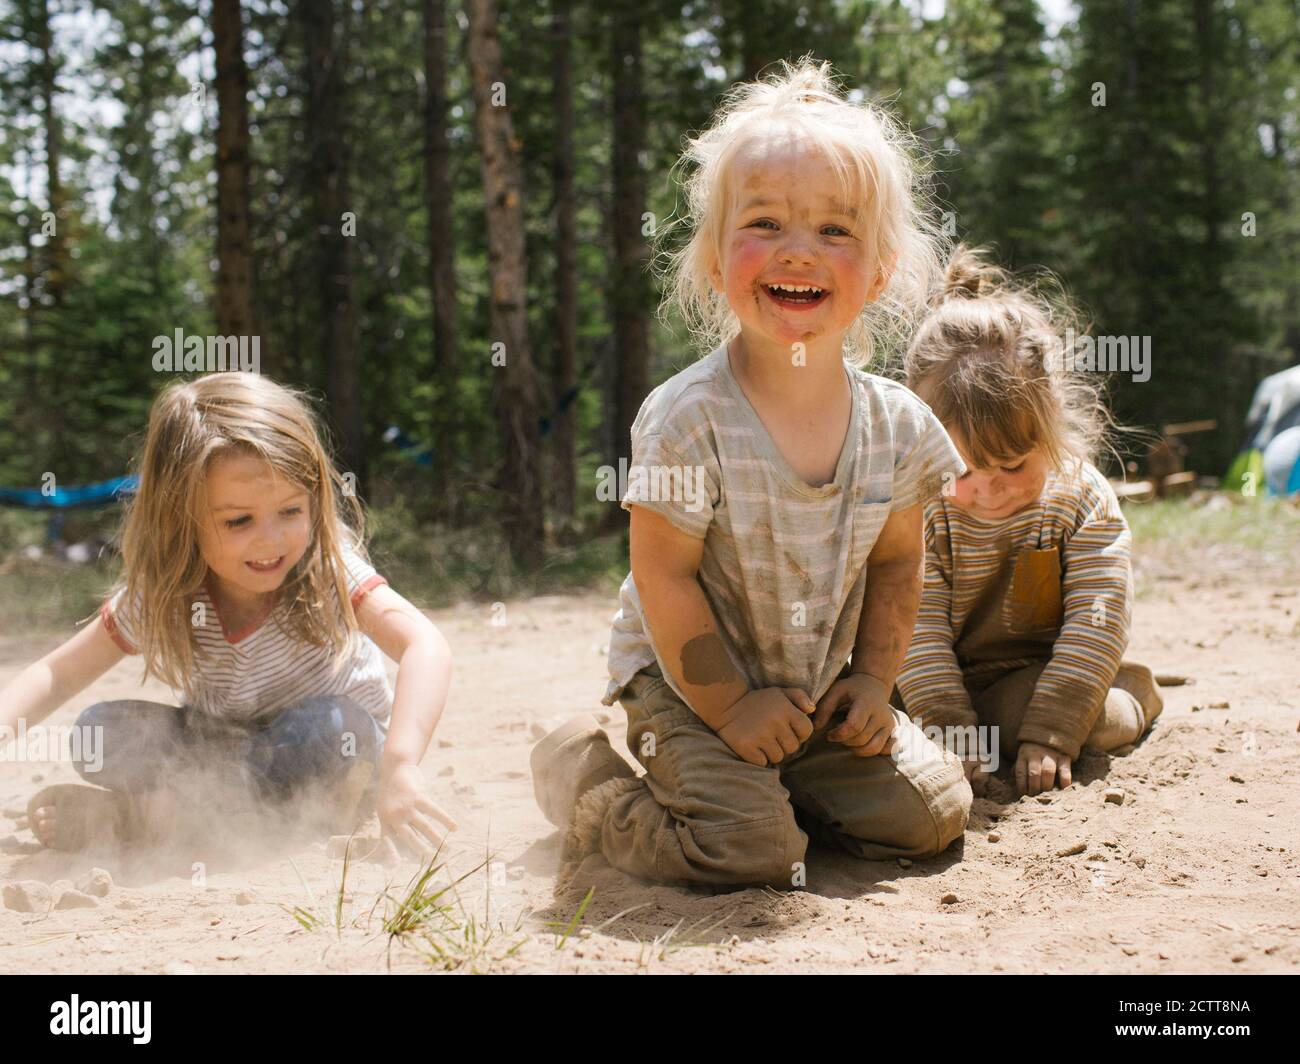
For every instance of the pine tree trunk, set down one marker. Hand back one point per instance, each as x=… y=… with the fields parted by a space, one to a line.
x=445 y=414
x=564 y=430
x=56 y=276
x=234 y=238
x=515 y=385
x=328 y=191
x=628 y=289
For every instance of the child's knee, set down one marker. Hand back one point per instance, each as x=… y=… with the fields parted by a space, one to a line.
x=770 y=851
x=946 y=796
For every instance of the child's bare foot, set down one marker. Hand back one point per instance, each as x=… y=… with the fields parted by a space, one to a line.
x=69 y=816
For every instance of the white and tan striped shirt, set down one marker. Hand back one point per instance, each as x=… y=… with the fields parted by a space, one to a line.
x=251 y=674
x=966 y=564
x=784 y=563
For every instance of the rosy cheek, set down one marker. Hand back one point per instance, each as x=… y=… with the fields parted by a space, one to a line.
x=746 y=261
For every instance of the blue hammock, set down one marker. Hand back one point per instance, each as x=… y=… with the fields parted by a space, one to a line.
x=83 y=496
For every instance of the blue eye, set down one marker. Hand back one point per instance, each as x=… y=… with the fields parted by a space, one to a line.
x=762 y=221
x=842 y=230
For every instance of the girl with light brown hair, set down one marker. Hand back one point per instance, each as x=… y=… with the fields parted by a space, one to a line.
x=1028 y=593
x=246 y=587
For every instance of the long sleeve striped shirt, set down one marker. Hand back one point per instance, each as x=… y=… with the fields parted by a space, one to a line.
x=968 y=632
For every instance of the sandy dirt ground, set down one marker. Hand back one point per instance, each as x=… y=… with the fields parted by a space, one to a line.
x=1196 y=870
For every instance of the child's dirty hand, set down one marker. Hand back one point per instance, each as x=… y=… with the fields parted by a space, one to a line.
x=977 y=776
x=1039 y=768
x=765 y=725
x=406 y=814
x=869 y=727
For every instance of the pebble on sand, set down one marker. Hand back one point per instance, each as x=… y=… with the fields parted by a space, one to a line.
x=97 y=883
x=950 y=899
x=27 y=896
x=75 y=899
x=1070 y=851
x=1114 y=796
x=994 y=837
x=903 y=862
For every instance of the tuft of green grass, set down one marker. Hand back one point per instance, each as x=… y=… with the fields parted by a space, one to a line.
x=1266 y=527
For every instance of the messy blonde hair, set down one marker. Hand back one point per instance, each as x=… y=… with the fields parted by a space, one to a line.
x=877 y=164
x=190 y=425
x=989 y=360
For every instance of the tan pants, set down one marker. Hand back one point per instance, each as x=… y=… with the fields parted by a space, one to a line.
x=701 y=815
x=1003 y=702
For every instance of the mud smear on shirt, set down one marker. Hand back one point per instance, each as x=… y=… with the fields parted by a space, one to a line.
x=930 y=481
x=705 y=661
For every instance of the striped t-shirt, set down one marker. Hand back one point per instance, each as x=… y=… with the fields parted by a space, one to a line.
x=252 y=674
x=967 y=561
x=784 y=563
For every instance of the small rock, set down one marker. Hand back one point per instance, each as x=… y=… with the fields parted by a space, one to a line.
x=1171 y=679
x=244 y=898
x=993 y=836
x=1237 y=958
x=1070 y=851
x=97 y=883
x=1218 y=705
x=1236 y=779
x=903 y=862
x=949 y=899
x=27 y=896
x=1044 y=799
x=75 y=899
x=584 y=932
x=1113 y=796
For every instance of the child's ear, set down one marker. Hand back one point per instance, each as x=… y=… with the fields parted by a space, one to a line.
x=715 y=275
x=883 y=273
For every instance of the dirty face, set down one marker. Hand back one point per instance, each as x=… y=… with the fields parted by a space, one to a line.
x=996 y=492
x=796 y=264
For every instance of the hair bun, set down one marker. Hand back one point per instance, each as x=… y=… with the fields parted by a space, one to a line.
x=969 y=276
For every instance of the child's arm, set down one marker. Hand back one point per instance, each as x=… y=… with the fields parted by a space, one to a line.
x=423 y=677
x=930 y=680
x=760 y=726
x=890 y=599
x=43 y=686
x=1097 y=591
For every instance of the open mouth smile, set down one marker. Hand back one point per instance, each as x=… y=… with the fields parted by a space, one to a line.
x=796 y=296
x=266 y=565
